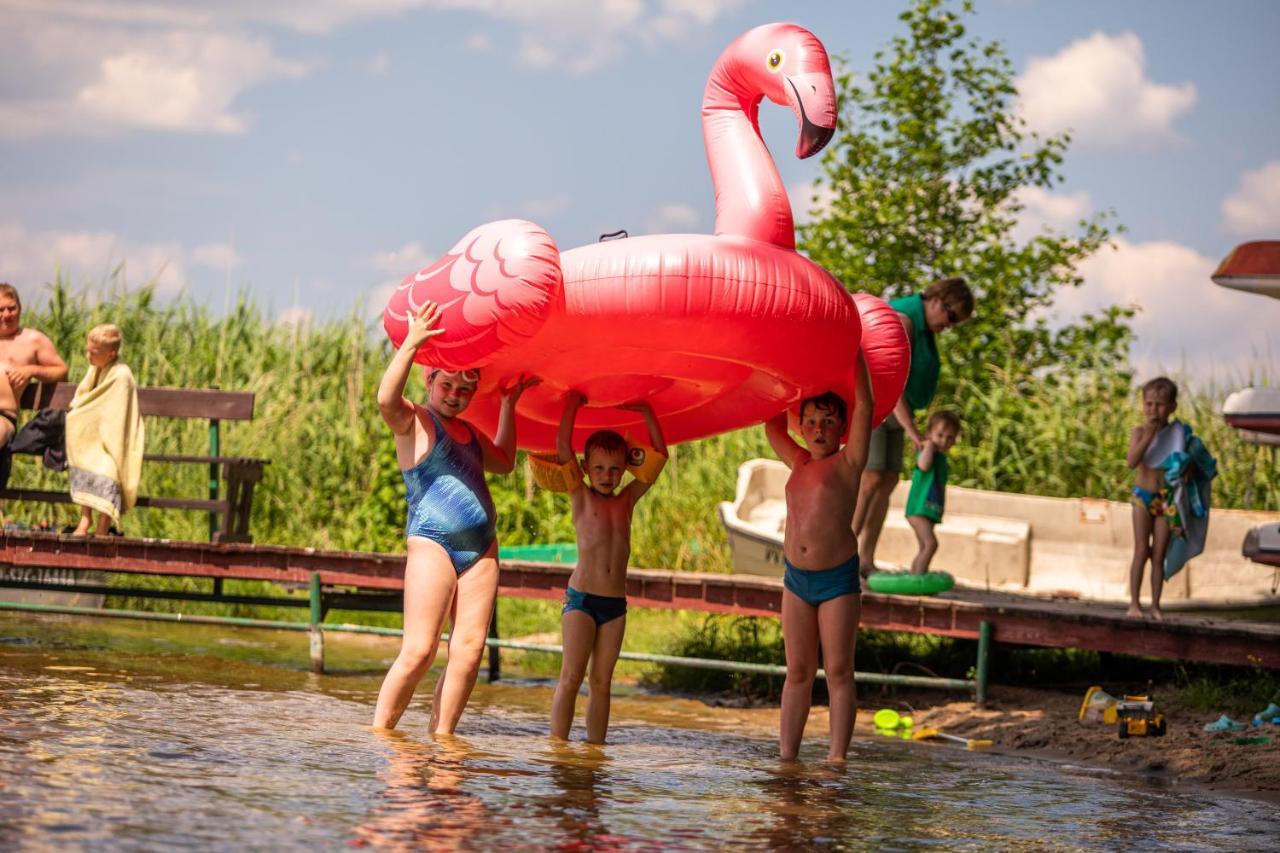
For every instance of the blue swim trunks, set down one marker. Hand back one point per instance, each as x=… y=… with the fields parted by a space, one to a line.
x=816 y=586
x=601 y=608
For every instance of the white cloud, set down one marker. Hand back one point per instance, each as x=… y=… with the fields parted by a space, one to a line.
x=409 y=258
x=1253 y=210
x=98 y=66
x=379 y=64
x=580 y=36
x=295 y=316
x=308 y=16
x=809 y=201
x=218 y=256
x=1044 y=209
x=392 y=266
x=1097 y=88
x=30 y=258
x=379 y=296
x=1185 y=322
x=95 y=79
x=183 y=81
x=676 y=18
x=535 y=208
x=676 y=217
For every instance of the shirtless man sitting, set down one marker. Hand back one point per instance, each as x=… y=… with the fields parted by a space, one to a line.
x=25 y=354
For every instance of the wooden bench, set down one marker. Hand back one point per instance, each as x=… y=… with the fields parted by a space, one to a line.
x=228 y=508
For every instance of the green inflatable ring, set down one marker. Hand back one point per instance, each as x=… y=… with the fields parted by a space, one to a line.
x=905 y=583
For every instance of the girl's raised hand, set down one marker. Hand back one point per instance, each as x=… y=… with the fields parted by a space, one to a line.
x=422 y=325
x=511 y=393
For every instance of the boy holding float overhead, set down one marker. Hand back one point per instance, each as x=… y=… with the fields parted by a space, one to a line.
x=821 y=606
x=595 y=604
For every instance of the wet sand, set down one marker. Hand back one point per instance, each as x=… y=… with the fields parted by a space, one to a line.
x=1044 y=724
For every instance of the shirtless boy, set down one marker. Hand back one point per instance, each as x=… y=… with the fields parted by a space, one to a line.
x=595 y=606
x=820 y=599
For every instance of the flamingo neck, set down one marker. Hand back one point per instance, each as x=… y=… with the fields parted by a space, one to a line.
x=750 y=198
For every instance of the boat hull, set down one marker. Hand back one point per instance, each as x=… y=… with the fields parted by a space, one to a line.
x=1256 y=410
x=1075 y=548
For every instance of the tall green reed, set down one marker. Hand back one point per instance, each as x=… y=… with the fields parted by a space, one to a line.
x=333 y=481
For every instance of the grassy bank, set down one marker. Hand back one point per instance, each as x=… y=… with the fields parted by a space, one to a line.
x=334 y=481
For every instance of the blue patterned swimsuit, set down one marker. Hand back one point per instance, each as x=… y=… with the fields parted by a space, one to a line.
x=449 y=501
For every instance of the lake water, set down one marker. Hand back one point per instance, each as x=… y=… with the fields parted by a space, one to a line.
x=119 y=735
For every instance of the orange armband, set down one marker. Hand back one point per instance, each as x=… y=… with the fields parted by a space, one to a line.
x=645 y=463
x=553 y=475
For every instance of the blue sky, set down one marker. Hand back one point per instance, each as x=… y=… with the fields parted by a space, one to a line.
x=315 y=151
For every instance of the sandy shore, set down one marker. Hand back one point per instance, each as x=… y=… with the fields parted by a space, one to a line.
x=1044 y=723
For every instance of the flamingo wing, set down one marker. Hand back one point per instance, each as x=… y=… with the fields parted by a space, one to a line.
x=495 y=289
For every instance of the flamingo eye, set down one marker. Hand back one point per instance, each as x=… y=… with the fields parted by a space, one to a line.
x=775 y=60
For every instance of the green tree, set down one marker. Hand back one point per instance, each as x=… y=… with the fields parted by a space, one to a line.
x=925 y=180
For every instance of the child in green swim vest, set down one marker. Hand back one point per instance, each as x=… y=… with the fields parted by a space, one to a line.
x=928 y=494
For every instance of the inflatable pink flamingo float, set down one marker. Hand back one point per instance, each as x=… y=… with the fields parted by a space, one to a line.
x=716 y=332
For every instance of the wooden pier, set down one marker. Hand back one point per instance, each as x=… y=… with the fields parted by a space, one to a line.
x=349 y=578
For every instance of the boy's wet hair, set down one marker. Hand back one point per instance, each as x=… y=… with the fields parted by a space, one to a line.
x=106 y=335
x=7 y=289
x=944 y=416
x=954 y=293
x=829 y=402
x=606 y=441
x=1164 y=386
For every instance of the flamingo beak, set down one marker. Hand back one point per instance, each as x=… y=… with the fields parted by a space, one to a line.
x=812 y=97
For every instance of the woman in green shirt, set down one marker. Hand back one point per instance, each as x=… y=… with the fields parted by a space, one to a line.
x=946 y=303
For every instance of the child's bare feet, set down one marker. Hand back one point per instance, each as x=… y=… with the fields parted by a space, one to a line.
x=1134 y=612
x=1156 y=613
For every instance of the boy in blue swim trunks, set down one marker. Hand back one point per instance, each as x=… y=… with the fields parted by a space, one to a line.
x=595 y=607
x=820 y=602
x=452 y=566
x=1149 y=443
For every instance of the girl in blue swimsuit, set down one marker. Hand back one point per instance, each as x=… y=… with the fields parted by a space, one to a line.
x=452 y=566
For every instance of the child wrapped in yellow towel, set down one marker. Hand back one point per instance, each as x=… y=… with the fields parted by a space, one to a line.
x=104 y=435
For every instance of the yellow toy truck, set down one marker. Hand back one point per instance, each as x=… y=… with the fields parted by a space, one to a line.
x=1136 y=716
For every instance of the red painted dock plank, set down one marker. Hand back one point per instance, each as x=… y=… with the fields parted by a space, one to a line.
x=1015 y=620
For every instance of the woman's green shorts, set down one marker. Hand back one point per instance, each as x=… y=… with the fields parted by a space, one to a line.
x=885 y=450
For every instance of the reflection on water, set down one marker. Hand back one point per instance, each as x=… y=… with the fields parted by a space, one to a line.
x=150 y=736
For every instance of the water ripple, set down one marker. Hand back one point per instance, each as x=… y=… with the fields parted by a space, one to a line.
x=135 y=748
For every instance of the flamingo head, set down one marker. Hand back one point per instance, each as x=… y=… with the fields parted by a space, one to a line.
x=787 y=64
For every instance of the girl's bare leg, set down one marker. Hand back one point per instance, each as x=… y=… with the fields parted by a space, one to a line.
x=429 y=582
x=477 y=588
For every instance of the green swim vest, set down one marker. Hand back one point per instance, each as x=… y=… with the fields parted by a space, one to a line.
x=922 y=381
x=928 y=495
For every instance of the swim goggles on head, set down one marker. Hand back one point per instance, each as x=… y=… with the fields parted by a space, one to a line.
x=470 y=375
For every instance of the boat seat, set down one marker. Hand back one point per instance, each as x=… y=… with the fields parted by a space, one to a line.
x=770 y=515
